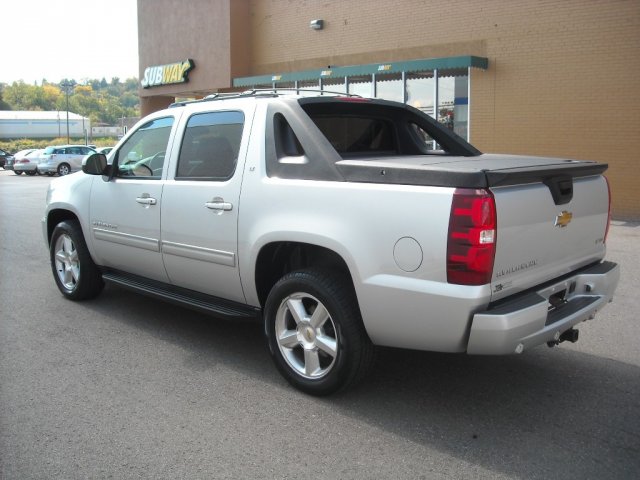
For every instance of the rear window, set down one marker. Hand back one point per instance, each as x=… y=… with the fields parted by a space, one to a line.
x=358 y=135
x=49 y=150
x=358 y=127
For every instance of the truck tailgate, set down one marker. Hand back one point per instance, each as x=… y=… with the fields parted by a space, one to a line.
x=539 y=239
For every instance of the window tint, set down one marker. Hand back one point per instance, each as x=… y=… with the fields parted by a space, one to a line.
x=143 y=154
x=287 y=143
x=357 y=135
x=210 y=146
x=422 y=136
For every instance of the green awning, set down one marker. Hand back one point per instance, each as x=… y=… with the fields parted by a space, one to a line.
x=422 y=65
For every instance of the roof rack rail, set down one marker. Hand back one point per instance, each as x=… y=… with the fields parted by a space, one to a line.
x=263 y=92
x=297 y=90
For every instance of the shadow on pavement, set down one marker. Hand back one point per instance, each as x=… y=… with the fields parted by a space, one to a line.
x=546 y=414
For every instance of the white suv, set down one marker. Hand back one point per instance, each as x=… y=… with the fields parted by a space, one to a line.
x=64 y=159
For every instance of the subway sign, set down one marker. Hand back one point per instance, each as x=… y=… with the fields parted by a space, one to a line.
x=167 y=74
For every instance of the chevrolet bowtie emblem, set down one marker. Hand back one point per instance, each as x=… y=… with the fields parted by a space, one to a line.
x=563 y=219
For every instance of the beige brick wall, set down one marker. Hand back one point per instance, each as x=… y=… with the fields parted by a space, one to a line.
x=563 y=80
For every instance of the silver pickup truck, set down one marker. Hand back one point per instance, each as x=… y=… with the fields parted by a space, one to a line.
x=342 y=223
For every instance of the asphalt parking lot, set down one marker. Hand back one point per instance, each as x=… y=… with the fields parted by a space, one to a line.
x=125 y=387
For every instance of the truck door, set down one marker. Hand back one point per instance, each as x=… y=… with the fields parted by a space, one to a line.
x=125 y=212
x=200 y=206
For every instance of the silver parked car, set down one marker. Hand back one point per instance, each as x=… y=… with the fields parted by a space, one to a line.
x=64 y=159
x=14 y=158
x=27 y=162
x=104 y=150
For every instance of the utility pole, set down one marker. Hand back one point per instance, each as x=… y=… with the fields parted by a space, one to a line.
x=66 y=85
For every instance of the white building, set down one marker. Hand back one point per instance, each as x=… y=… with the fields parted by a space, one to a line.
x=28 y=124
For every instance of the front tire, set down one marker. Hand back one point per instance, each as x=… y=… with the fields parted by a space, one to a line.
x=76 y=276
x=18 y=172
x=315 y=332
x=64 y=169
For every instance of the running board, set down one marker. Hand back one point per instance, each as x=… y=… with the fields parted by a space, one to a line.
x=207 y=304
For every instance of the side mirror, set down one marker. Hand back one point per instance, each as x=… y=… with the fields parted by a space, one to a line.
x=95 y=164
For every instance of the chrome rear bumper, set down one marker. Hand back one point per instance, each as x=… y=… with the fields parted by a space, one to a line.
x=530 y=319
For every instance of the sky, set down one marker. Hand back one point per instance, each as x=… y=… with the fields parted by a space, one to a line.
x=73 y=39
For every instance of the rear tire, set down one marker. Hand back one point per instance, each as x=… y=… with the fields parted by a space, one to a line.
x=30 y=173
x=315 y=332
x=75 y=274
x=17 y=172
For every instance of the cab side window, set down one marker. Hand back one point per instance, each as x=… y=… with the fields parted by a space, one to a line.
x=210 y=146
x=144 y=152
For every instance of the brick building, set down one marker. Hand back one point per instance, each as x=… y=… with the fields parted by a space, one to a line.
x=539 y=77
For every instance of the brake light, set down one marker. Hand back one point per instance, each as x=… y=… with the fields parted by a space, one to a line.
x=606 y=232
x=471 y=245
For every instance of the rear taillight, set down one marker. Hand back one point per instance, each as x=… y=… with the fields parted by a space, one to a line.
x=24 y=160
x=606 y=232
x=471 y=245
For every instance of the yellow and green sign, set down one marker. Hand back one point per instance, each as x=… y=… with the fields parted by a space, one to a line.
x=167 y=74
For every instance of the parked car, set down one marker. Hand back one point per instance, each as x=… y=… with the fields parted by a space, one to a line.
x=4 y=156
x=104 y=150
x=64 y=159
x=11 y=160
x=27 y=163
x=332 y=221
x=16 y=157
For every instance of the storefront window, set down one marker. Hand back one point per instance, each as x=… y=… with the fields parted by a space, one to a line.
x=420 y=91
x=360 y=86
x=309 y=87
x=453 y=101
x=334 y=85
x=453 y=92
x=287 y=86
x=389 y=87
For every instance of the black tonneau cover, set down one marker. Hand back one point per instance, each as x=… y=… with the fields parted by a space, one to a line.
x=483 y=171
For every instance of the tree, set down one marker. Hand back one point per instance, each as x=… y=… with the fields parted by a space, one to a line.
x=21 y=96
x=102 y=102
x=3 y=105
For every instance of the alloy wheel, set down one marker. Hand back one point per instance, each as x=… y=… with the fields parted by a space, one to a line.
x=67 y=262
x=306 y=335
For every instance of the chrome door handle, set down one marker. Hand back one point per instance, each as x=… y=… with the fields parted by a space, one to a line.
x=218 y=204
x=146 y=200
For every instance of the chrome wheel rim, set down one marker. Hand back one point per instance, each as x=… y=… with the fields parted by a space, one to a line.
x=67 y=262
x=63 y=170
x=306 y=335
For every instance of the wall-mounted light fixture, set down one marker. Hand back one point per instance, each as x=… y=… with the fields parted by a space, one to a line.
x=316 y=24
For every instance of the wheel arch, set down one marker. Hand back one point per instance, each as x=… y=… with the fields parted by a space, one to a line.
x=278 y=258
x=54 y=217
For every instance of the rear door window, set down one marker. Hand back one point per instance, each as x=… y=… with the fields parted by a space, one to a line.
x=210 y=146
